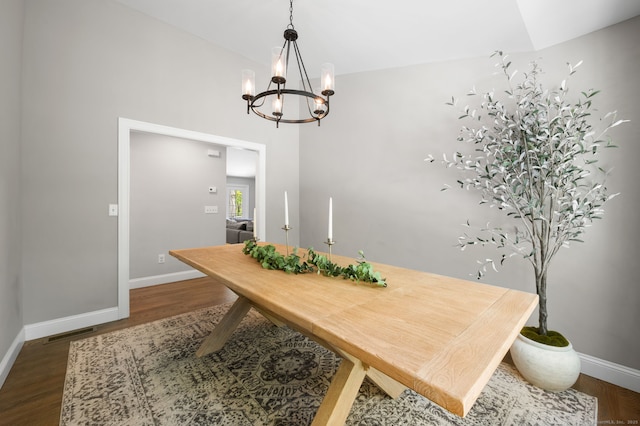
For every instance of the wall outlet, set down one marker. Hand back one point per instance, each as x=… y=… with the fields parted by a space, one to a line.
x=210 y=209
x=161 y=258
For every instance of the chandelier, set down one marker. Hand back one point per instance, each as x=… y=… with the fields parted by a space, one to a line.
x=270 y=104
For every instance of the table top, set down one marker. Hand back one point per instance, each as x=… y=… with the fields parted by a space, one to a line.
x=442 y=337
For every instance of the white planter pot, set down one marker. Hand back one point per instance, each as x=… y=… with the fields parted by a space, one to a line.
x=548 y=367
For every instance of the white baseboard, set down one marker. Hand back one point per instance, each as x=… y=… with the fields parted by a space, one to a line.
x=164 y=279
x=611 y=372
x=74 y=322
x=10 y=357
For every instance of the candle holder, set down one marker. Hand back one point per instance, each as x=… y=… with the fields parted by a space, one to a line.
x=329 y=242
x=286 y=229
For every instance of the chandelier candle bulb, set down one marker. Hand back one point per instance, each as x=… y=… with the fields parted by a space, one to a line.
x=248 y=84
x=277 y=66
x=327 y=74
x=318 y=102
x=277 y=106
x=318 y=106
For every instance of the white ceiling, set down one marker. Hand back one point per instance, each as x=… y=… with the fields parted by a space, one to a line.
x=365 y=35
x=241 y=162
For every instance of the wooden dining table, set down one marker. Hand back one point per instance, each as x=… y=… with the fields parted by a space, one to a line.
x=442 y=337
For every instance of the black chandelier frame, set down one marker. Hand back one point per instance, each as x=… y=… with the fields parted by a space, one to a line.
x=317 y=104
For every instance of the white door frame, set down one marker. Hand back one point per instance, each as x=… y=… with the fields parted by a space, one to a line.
x=125 y=127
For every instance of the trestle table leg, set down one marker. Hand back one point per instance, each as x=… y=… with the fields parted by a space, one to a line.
x=343 y=390
x=227 y=325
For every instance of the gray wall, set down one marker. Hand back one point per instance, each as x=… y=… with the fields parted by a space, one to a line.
x=11 y=18
x=368 y=155
x=86 y=63
x=170 y=178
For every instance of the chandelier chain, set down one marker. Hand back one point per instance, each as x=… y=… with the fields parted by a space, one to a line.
x=291 y=14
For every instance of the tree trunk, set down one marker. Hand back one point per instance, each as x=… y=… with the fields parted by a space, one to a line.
x=541 y=286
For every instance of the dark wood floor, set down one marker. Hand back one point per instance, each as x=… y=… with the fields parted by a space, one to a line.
x=32 y=393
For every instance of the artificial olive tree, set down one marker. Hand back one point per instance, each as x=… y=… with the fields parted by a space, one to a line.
x=535 y=160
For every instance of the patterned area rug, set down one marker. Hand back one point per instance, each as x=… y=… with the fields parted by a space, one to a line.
x=265 y=375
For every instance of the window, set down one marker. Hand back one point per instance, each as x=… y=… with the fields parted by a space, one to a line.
x=238 y=201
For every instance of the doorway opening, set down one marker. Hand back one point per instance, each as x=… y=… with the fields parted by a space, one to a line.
x=125 y=127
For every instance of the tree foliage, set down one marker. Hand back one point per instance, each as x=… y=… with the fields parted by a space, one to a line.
x=535 y=159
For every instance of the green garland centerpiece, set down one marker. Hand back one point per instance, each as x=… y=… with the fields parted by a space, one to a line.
x=269 y=258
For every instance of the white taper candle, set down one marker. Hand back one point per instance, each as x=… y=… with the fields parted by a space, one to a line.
x=286 y=209
x=330 y=234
